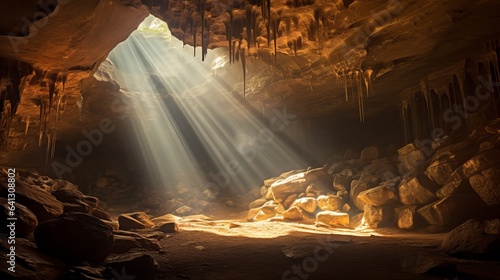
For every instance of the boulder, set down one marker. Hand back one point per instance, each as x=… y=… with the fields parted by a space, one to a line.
x=332 y=218
x=293 y=213
x=474 y=239
x=479 y=163
x=452 y=210
x=263 y=191
x=440 y=170
x=314 y=190
x=455 y=186
x=184 y=210
x=133 y=266
x=487 y=185
x=75 y=236
x=319 y=177
x=289 y=200
x=26 y=221
x=136 y=220
x=257 y=203
x=261 y=213
x=417 y=191
x=380 y=168
x=378 y=216
x=281 y=189
x=329 y=202
x=408 y=218
x=44 y=205
x=270 y=181
x=167 y=227
x=365 y=182
x=75 y=197
x=378 y=196
x=410 y=159
x=306 y=204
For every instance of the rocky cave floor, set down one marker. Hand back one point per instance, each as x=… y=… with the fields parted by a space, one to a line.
x=426 y=211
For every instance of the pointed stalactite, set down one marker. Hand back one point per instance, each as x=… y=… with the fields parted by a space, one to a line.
x=368 y=82
x=318 y=15
x=243 y=65
x=194 y=40
x=276 y=23
x=201 y=11
x=249 y=24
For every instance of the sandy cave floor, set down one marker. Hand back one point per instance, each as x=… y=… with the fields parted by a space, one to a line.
x=232 y=248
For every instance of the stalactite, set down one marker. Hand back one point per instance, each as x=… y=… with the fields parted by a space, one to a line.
x=276 y=23
x=243 y=64
x=345 y=86
x=249 y=24
x=318 y=14
x=368 y=82
x=201 y=11
x=194 y=40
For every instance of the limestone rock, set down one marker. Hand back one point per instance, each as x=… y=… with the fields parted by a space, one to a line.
x=44 y=205
x=418 y=190
x=134 y=265
x=257 y=203
x=440 y=170
x=332 y=218
x=270 y=181
x=281 y=189
x=314 y=190
x=167 y=227
x=263 y=190
x=307 y=204
x=261 y=213
x=329 y=202
x=136 y=220
x=479 y=163
x=408 y=218
x=293 y=213
x=289 y=200
x=460 y=186
x=487 y=185
x=81 y=202
x=410 y=159
x=26 y=221
x=473 y=239
x=75 y=236
x=378 y=216
x=378 y=196
x=319 y=177
x=380 y=168
x=365 y=182
x=452 y=210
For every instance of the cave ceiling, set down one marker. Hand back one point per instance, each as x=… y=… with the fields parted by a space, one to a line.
x=324 y=51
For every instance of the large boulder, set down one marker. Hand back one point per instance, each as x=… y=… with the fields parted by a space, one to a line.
x=378 y=196
x=408 y=218
x=329 y=202
x=319 y=177
x=332 y=218
x=136 y=220
x=479 y=163
x=474 y=239
x=44 y=205
x=293 y=213
x=487 y=185
x=410 y=159
x=418 y=190
x=261 y=213
x=26 y=221
x=75 y=237
x=365 y=182
x=75 y=201
x=342 y=182
x=455 y=186
x=306 y=204
x=281 y=189
x=440 y=170
x=369 y=153
x=452 y=210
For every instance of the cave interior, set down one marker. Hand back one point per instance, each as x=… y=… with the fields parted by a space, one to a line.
x=250 y=139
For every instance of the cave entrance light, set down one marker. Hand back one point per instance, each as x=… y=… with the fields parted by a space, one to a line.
x=190 y=123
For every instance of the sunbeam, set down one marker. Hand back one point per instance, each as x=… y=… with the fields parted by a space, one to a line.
x=193 y=126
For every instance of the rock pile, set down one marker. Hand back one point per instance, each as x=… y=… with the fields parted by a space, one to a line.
x=437 y=186
x=62 y=233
